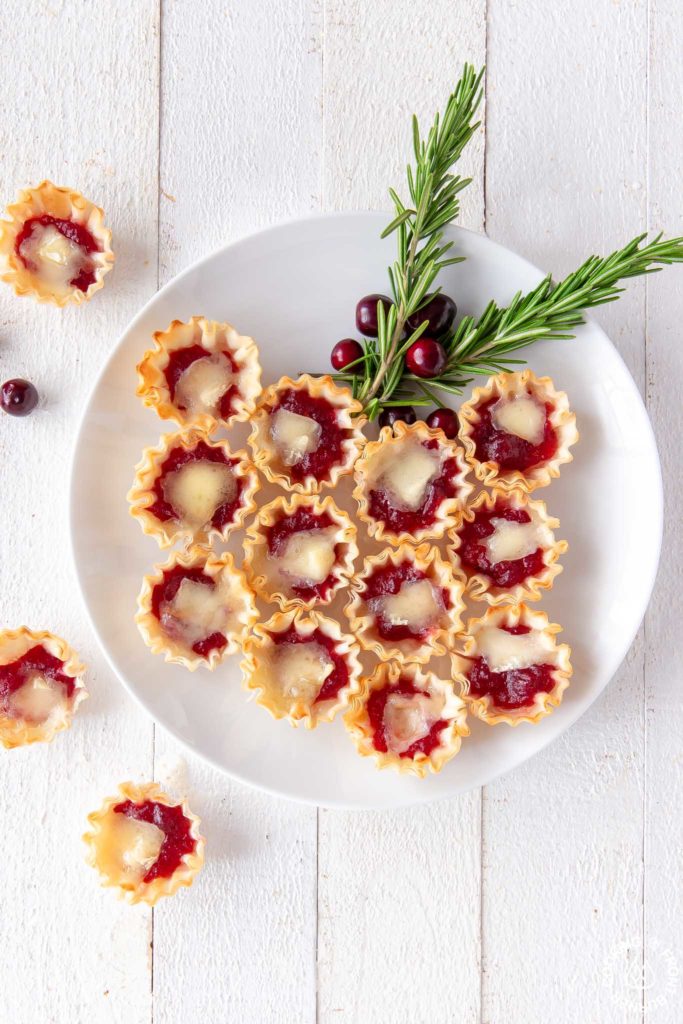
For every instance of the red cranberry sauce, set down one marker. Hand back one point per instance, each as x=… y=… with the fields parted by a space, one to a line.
x=338 y=677
x=36 y=661
x=303 y=520
x=439 y=489
x=389 y=580
x=329 y=451
x=376 y=706
x=474 y=556
x=179 y=457
x=515 y=688
x=181 y=359
x=176 y=828
x=167 y=590
x=508 y=450
x=76 y=233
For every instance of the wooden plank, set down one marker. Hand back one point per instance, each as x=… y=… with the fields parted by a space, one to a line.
x=566 y=177
x=398 y=891
x=240 y=149
x=79 y=76
x=663 y=959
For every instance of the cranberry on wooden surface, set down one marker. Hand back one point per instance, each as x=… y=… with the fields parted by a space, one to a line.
x=404 y=413
x=440 y=311
x=346 y=351
x=18 y=397
x=366 y=313
x=444 y=419
x=426 y=357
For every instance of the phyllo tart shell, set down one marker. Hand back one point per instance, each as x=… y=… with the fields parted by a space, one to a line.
x=535 y=418
x=162 y=477
x=38 y=259
x=510 y=668
x=306 y=433
x=517 y=558
x=218 y=387
x=301 y=666
x=407 y=719
x=410 y=484
x=315 y=549
x=131 y=854
x=195 y=608
x=41 y=686
x=406 y=604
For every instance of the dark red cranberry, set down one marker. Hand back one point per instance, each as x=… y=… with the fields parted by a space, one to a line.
x=18 y=397
x=444 y=419
x=345 y=352
x=366 y=313
x=426 y=357
x=404 y=413
x=440 y=311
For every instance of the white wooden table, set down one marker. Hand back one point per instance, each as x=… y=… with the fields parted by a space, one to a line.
x=553 y=895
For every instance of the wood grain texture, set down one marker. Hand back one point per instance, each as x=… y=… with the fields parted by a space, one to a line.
x=72 y=952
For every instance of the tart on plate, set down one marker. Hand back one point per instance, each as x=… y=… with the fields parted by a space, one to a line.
x=300 y=551
x=144 y=844
x=196 y=608
x=201 y=374
x=54 y=245
x=41 y=686
x=511 y=668
x=517 y=431
x=301 y=666
x=409 y=483
x=406 y=604
x=407 y=719
x=505 y=545
x=306 y=433
x=192 y=488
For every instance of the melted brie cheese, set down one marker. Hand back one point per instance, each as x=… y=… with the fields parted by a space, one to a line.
x=510 y=541
x=301 y=670
x=521 y=416
x=198 y=488
x=308 y=556
x=416 y=605
x=505 y=652
x=408 y=475
x=408 y=719
x=195 y=612
x=294 y=435
x=202 y=385
x=56 y=258
x=38 y=699
x=127 y=848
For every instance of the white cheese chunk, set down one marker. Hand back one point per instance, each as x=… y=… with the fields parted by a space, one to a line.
x=408 y=475
x=505 y=652
x=294 y=435
x=521 y=416
x=510 y=541
x=409 y=718
x=198 y=488
x=38 y=699
x=301 y=669
x=416 y=605
x=127 y=848
x=56 y=258
x=202 y=385
x=308 y=556
x=195 y=612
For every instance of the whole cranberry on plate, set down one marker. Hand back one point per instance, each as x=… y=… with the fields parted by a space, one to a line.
x=444 y=419
x=345 y=352
x=426 y=358
x=366 y=313
x=440 y=312
x=403 y=413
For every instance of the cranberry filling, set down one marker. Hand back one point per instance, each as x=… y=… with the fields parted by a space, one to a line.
x=167 y=590
x=182 y=358
x=338 y=677
x=36 y=661
x=508 y=450
x=399 y=519
x=389 y=580
x=279 y=534
x=515 y=688
x=474 y=556
x=179 y=457
x=76 y=233
x=176 y=828
x=329 y=451
x=377 y=702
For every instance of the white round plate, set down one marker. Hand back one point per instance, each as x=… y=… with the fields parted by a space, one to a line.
x=294 y=288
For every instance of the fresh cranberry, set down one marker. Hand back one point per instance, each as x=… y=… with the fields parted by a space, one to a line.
x=439 y=311
x=444 y=419
x=18 y=397
x=426 y=358
x=346 y=352
x=403 y=413
x=366 y=313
